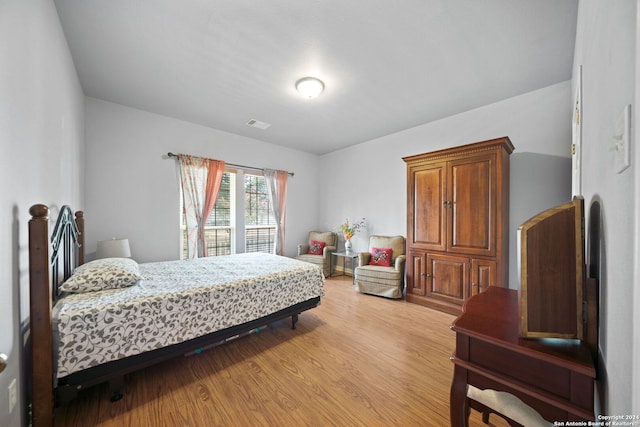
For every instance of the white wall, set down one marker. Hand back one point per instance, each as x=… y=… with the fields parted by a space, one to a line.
x=41 y=135
x=133 y=187
x=635 y=158
x=606 y=48
x=369 y=180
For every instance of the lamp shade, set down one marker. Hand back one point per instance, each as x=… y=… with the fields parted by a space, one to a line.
x=114 y=248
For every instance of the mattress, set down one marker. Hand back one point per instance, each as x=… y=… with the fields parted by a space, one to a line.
x=176 y=301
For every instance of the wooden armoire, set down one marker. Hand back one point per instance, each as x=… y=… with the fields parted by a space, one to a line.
x=457 y=223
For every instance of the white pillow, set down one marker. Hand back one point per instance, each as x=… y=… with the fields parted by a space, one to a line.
x=101 y=274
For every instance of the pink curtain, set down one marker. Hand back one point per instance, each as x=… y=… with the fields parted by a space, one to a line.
x=215 y=169
x=277 y=189
x=200 y=180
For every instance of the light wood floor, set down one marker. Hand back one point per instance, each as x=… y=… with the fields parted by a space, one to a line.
x=356 y=360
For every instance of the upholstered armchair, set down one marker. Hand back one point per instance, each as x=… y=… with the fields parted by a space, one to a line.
x=318 y=249
x=381 y=270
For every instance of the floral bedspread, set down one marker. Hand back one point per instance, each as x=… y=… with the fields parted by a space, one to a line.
x=176 y=301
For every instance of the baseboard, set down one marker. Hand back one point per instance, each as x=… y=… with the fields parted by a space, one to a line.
x=341 y=270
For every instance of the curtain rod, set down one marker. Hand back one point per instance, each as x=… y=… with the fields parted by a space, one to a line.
x=170 y=154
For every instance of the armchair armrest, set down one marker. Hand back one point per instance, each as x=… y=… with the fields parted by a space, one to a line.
x=303 y=249
x=364 y=258
x=326 y=251
x=400 y=260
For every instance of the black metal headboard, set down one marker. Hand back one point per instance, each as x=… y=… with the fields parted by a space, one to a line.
x=66 y=244
x=66 y=247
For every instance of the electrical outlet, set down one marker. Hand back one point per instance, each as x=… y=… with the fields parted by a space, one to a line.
x=13 y=396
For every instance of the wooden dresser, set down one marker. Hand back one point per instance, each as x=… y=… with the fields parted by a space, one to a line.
x=554 y=377
x=457 y=223
x=538 y=344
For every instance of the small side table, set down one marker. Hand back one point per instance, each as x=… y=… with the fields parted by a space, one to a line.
x=344 y=255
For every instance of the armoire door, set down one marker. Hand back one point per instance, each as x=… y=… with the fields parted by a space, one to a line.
x=427 y=224
x=447 y=277
x=483 y=275
x=416 y=273
x=472 y=205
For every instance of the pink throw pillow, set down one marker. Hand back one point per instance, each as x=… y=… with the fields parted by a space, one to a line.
x=316 y=247
x=381 y=257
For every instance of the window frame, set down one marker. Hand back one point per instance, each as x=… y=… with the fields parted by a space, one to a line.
x=238 y=227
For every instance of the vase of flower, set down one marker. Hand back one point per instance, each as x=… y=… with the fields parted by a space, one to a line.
x=348 y=230
x=348 y=245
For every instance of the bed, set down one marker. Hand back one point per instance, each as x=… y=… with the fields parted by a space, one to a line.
x=95 y=322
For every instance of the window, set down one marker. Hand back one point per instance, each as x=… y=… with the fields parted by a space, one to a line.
x=260 y=225
x=219 y=225
x=223 y=228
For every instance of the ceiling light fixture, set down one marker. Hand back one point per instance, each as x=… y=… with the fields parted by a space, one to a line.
x=310 y=87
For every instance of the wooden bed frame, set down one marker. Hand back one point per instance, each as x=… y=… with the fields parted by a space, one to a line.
x=51 y=261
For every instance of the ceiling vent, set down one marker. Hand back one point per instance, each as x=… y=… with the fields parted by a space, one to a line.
x=258 y=124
